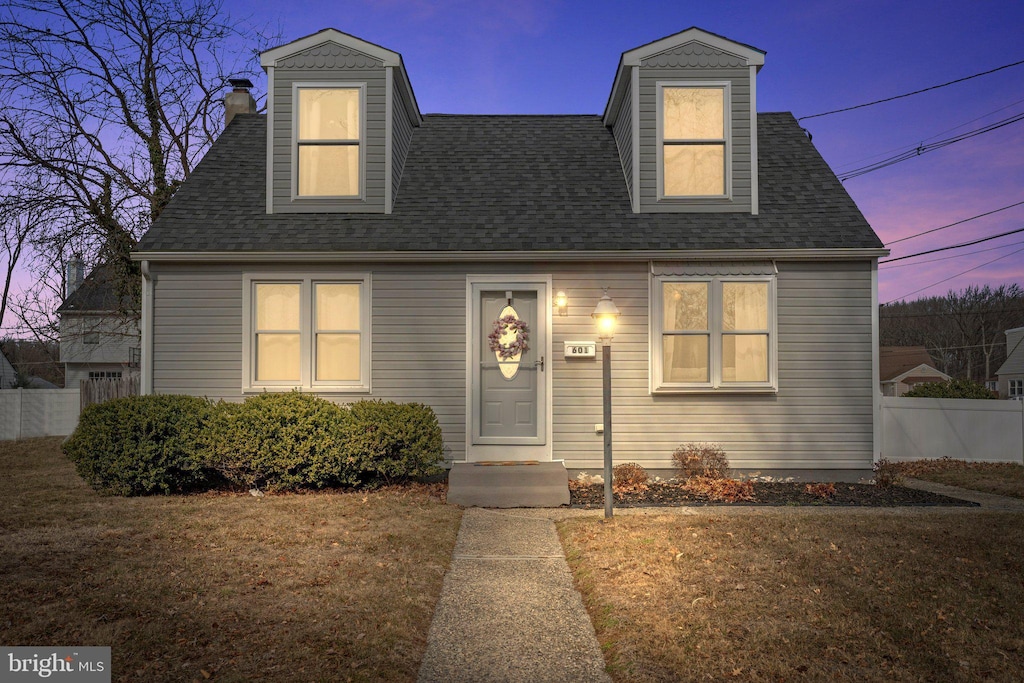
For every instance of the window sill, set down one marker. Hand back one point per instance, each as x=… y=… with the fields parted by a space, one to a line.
x=763 y=390
x=307 y=389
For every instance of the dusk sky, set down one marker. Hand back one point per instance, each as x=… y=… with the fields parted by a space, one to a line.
x=537 y=57
x=545 y=57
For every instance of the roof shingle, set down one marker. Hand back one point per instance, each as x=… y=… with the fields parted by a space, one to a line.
x=509 y=183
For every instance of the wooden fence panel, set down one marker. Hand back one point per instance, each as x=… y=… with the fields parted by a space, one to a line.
x=100 y=390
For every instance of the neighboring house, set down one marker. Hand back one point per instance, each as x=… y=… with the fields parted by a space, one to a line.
x=8 y=375
x=901 y=368
x=98 y=337
x=1011 y=372
x=348 y=245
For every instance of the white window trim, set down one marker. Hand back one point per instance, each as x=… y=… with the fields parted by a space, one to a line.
x=328 y=85
x=307 y=335
x=715 y=383
x=726 y=87
x=1017 y=384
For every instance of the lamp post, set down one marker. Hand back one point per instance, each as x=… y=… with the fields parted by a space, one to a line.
x=606 y=313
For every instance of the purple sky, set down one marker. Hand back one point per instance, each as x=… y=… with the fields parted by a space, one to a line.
x=536 y=56
x=543 y=56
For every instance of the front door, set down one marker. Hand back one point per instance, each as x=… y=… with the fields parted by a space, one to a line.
x=508 y=398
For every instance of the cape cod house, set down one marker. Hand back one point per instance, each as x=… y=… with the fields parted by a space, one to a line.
x=347 y=244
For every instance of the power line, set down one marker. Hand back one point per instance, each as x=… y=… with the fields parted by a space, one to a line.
x=916 y=92
x=980 y=215
x=899 y=316
x=954 y=246
x=951 y=277
x=946 y=258
x=929 y=147
x=941 y=132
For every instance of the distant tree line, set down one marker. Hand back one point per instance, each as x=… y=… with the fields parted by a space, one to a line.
x=963 y=330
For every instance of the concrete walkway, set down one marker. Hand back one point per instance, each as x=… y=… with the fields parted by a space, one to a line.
x=508 y=610
x=988 y=501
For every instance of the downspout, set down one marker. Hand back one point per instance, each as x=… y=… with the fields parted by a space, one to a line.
x=877 y=433
x=146 y=352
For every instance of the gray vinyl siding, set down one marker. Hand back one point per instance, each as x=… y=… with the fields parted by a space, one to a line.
x=344 y=66
x=651 y=72
x=821 y=417
x=401 y=138
x=623 y=132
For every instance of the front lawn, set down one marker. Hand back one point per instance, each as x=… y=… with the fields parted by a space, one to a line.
x=777 y=595
x=1004 y=479
x=324 y=586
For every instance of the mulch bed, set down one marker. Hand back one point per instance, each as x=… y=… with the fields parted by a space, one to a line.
x=670 y=494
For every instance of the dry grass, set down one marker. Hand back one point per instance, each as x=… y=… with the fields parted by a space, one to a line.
x=235 y=588
x=1005 y=479
x=777 y=596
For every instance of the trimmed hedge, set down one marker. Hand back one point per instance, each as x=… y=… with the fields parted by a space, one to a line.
x=954 y=388
x=389 y=442
x=279 y=442
x=141 y=444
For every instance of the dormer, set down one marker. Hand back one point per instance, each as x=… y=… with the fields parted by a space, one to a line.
x=340 y=117
x=683 y=111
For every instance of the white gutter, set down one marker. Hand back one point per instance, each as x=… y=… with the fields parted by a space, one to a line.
x=146 y=352
x=509 y=256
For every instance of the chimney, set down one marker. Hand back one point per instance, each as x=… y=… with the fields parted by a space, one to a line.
x=238 y=101
x=75 y=275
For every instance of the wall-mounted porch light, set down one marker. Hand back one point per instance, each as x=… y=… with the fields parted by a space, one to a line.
x=561 y=304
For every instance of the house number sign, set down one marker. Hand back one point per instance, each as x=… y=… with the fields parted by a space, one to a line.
x=580 y=349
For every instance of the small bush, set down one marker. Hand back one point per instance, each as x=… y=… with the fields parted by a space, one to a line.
x=141 y=445
x=280 y=442
x=629 y=477
x=825 y=491
x=954 y=388
x=721 y=489
x=390 y=442
x=705 y=460
x=887 y=473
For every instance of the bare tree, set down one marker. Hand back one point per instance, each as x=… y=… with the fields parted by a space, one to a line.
x=112 y=103
x=963 y=331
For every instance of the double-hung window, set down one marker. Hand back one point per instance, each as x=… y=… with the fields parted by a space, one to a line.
x=693 y=140
x=713 y=333
x=307 y=331
x=329 y=125
x=1016 y=387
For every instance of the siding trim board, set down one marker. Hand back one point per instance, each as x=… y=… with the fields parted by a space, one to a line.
x=638 y=255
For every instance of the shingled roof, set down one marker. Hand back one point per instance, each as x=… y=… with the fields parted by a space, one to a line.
x=509 y=183
x=98 y=293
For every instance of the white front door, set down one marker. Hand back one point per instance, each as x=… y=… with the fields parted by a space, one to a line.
x=507 y=401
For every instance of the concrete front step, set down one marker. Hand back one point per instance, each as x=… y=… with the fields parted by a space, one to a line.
x=508 y=485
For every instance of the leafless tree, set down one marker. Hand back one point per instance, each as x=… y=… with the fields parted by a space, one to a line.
x=963 y=330
x=112 y=103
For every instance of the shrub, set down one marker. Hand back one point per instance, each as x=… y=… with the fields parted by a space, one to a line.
x=701 y=460
x=279 y=442
x=140 y=445
x=629 y=477
x=389 y=442
x=887 y=473
x=721 y=489
x=954 y=388
x=825 y=491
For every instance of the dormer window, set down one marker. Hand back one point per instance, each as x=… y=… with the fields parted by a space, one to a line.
x=693 y=140
x=329 y=140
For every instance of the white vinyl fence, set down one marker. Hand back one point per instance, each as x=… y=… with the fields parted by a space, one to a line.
x=27 y=413
x=975 y=430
